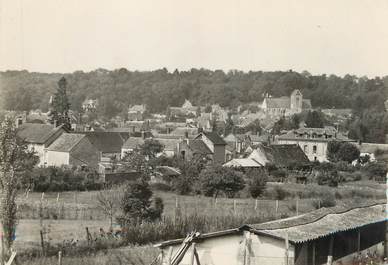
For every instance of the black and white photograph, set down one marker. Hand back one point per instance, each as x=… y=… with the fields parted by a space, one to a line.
x=170 y=132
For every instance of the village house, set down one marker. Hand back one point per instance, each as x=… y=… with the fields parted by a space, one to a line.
x=187 y=109
x=72 y=149
x=285 y=106
x=206 y=144
x=337 y=235
x=281 y=155
x=89 y=105
x=108 y=144
x=39 y=137
x=313 y=141
x=136 y=112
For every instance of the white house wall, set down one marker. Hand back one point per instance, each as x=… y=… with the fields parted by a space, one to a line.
x=57 y=158
x=230 y=250
x=307 y=147
x=40 y=152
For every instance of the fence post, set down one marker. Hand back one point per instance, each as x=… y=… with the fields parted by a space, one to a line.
x=276 y=207
x=255 y=204
x=297 y=206
x=192 y=254
x=42 y=242
x=42 y=198
x=286 y=250
x=58 y=197
x=176 y=202
x=59 y=257
x=234 y=206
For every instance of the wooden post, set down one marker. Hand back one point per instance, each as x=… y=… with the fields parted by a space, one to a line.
x=192 y=254
x=313 y=254
x=28 y=191
x=2 y=250
x=276 y=207
x=58 y=197
x=255 y=204
x=297 y=206
x=330 y=256
x=286 y=248
x=234 y=206
x=42 y=198
x=42 y=242
x=319 y=204
x=59 y=257
x=169 y=256
x=176 y=202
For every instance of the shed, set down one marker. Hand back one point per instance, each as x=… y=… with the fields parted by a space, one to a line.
x=323 y=236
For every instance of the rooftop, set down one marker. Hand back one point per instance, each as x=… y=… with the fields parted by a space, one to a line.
x=66 y=142
x=37 y=133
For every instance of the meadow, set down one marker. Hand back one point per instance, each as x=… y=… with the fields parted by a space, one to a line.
x=182 y=214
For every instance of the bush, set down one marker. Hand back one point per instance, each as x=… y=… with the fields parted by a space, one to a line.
x=326 y=200
x=376 y=170
x=217 y=179
x=277 y=193
x=257 y=182
x=160 y=186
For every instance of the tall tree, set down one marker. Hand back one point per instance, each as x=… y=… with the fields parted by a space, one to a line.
x=60 y=106
x=15 y=161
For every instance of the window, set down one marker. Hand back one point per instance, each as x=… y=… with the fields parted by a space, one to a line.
x=305 y=148
x=314 y=149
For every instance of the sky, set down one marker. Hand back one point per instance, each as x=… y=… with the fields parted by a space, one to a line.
x=328 y=36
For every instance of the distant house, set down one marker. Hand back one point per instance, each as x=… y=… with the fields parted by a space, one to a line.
x=131 y=144
x=335 y=235
x=108 y=144
x=281 y=155
x=39 y=137
x=313 y=141
x=285 y=106
x=208 y=144
x=243 y=163
x=237 y=142
x=136 y=112
x=170 y=144
x=89 y=105
x=72 y=149
x=186 y=109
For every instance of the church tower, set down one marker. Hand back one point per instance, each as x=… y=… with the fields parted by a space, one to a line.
x=296 y=101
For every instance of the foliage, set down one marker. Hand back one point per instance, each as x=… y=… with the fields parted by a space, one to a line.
x=327 y=174
x=60 y=106
x=342 y=151
x=151 y=148
x=136 y=204
x=326 y=199
x=109 y=202
x=257 y=180
x=375 y=170
x=15 y=160
x=315 y=119
x=57 y=179
x=217 y=179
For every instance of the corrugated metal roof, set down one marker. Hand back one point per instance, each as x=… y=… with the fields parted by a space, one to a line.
x=321 y=223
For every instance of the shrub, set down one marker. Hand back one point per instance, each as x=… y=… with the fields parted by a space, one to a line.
x=218 y=179
x=160 y=186
x=257 y=182
x=277 y=193
x=326 y=200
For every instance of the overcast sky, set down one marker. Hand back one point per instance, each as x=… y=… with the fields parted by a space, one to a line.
x=328 y=36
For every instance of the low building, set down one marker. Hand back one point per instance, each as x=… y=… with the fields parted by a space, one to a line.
x=187 y=109
x=39 y=137
x=216 y=145
x=313 y=141
x=136 y=112
x=109 y=144
x=72 y=149
x=335 y=235
x=281 y=155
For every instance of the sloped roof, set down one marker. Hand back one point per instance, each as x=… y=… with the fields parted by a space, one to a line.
x=37 y=133
x=309 y=226
x=183 y=130
x=242 y=163
x=328 y=133
x=133 y=142
x=199 y=147
x=107 y=142
x=214 y=137
x=168 y=171
x=283 y=154
x=66 y=142
x=279 y=103
x=169 y=144
x=322 y=222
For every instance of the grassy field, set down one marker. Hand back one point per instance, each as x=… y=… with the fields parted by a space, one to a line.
x=80 y=210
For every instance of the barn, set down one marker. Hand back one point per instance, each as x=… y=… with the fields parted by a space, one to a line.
x=337 y=235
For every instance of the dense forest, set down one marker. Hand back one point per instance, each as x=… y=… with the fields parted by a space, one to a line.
x=117 y=89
